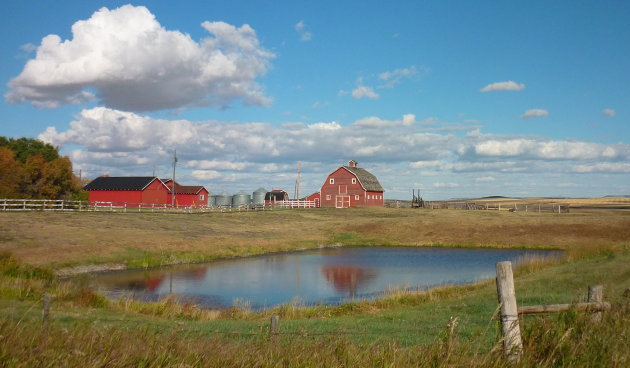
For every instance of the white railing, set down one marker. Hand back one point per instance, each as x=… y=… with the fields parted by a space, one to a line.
x=296 y=203
x=103 y=206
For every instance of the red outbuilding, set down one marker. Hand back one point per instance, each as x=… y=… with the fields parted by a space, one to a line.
x=276 y=195
x=187 y=195
x=315 y=197
x=351 y=186
x=131 y=190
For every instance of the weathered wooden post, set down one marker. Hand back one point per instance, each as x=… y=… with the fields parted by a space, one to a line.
x=275 y=326
x=512 y=342
x=596 y=295
x=46 y=310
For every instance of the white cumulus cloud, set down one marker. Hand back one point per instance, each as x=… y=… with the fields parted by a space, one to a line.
x=532 y=113
x=503 y=86
x=376 y=122
x=609 y=112
x=126 y=60
x=603 y=167
x=550 y=150
x=364 y=92
x=424 y=164
x=445 y=185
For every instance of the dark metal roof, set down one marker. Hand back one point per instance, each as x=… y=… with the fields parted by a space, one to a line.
x=187 y=189
x=276 y=196
x=120 y=183
x=367 y=180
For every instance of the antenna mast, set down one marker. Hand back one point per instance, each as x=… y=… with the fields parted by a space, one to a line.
x=173 y=183
x=297 y=183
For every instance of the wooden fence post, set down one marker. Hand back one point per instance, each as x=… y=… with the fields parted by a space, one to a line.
x=596 y=295
x=46 y=310
x=275 y=326
x=512 y=342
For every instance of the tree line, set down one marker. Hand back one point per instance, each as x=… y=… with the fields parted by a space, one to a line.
x=32 y=169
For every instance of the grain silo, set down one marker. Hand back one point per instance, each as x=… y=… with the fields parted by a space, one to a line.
x=258 y=197
x=212 y=200
x=223 y=200
x=241 y=199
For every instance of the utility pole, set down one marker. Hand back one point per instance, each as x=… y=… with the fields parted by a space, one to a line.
x=173 y=183
x=297 y=183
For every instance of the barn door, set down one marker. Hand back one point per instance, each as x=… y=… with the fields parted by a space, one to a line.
x=342 y=201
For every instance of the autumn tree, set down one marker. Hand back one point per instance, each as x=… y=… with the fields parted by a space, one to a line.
x=9 y=174
x=33 y=169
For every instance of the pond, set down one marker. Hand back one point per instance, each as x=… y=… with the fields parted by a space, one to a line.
x=323 y=276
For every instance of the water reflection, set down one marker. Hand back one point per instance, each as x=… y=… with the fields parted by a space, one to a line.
x=329 y=276
x=347 y=279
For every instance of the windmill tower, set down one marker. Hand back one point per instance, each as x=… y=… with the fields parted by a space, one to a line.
x=297 y=183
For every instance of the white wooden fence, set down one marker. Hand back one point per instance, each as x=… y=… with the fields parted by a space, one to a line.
x=296 y=203
x=100 y=206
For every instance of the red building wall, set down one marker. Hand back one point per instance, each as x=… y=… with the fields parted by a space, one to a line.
x=200 y=199
x=316 y=197
x=345 y=190
x=116 y=196
x=154 y=193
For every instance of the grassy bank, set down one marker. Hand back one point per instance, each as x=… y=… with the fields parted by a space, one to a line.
x=449 y=326
x=58 y=240
x=410 y=329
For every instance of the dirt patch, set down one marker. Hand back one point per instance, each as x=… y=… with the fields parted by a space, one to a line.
x=80 y=270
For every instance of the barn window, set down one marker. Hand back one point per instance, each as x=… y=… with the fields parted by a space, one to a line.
x=354 y=180
x=332 y=181
x=201 y=197
x=356 y=197
x=328 y=196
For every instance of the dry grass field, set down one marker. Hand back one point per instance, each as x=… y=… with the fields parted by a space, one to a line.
x=140 y=240
x=405 y=329
x=576 y=203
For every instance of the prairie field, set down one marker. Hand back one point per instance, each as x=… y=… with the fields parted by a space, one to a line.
x=453 y=326
x=60 y=240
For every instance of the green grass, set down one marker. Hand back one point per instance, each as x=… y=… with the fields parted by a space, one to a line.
x=448 y=326
x=403 y=318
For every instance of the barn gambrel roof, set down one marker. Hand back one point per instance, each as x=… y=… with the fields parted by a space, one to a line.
x=366 y=179
x=121 y=183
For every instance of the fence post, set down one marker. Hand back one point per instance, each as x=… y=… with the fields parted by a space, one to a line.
x=596 y=295
x=46 y=310
x=275 y=326
x=512 y=342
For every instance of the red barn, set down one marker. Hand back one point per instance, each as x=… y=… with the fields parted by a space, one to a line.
x=127 y=189
x=350 y=186
x=187 y=195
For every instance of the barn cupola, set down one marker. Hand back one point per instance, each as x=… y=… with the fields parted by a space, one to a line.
x=353 y=163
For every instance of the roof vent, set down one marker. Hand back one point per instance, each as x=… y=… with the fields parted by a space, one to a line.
x=352 y=163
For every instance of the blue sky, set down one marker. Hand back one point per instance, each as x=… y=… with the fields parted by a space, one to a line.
x=457 y=98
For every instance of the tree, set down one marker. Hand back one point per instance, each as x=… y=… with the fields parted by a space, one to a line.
x=42 y=179
x=26 y=147
x=9 y=174
x=33 y=169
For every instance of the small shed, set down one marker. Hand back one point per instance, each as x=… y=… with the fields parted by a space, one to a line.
x=132 y=190
x=315 y=197
x=276 y=195
x=187 y=195
x=351 y=186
